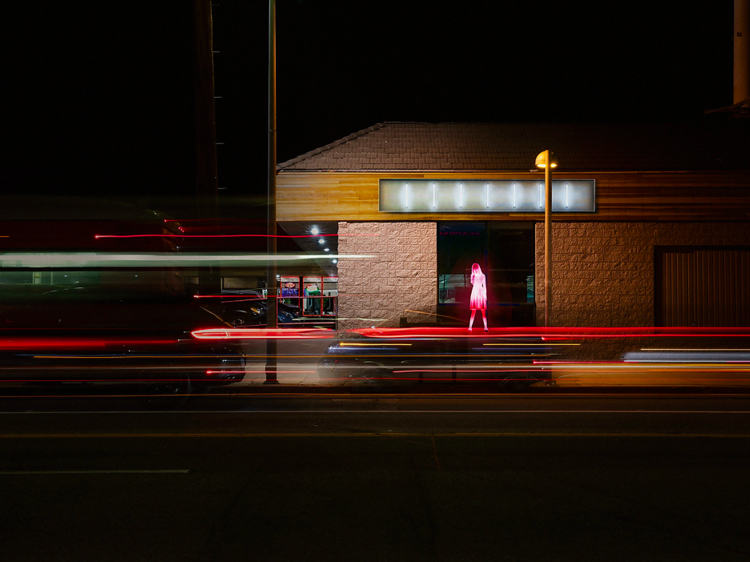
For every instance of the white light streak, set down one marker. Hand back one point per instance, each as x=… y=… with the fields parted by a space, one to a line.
x=487 y=196
x=567 y=196
x=540 y=195
x=406 y=197
x=155 y=259
x=434 y=190
x=460 y=196
x=514 y=196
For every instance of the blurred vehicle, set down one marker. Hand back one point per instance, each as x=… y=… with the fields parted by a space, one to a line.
x=688 y=356
x=86 y=334
x=62 y=320
x=433 y=357
x=249 y=308
x=97 y=334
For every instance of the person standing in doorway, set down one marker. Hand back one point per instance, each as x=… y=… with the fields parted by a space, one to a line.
x=478 y=299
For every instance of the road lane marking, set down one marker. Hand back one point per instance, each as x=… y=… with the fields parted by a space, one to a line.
x=43 y=472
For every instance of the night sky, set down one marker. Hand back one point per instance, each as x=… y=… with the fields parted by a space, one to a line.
x=99 y=95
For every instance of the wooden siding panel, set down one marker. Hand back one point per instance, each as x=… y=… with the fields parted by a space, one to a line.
x=669 y=196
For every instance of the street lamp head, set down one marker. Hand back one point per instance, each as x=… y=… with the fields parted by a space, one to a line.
x=541 y=159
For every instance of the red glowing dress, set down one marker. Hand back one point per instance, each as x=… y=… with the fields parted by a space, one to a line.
x=478 y=299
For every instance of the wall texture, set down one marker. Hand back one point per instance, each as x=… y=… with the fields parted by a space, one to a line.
x=603 y=275
x=620 y=196
x=603 y=272
x=400 y=280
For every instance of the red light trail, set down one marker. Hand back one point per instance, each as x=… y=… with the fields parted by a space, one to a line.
x=97 y=236
x=262 y=333
x=63 y=343
x=551 y=333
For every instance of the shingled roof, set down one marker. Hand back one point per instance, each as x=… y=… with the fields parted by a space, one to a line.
x=439 y=147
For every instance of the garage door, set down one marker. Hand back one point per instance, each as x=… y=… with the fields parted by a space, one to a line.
x=702 y=286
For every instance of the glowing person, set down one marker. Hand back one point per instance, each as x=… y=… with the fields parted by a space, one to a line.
x=478 y=299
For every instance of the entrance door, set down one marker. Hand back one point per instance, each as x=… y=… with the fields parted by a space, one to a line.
x=702 y=286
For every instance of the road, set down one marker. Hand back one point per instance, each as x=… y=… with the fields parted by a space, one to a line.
x=382 y=477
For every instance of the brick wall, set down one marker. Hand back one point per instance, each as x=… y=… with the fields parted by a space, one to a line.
x=399 y=280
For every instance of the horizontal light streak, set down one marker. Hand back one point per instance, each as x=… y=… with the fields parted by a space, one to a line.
x=123 y=379
x=352 y=344
x=682 y=361
x=717 y=367
x=114 y=357
x=277 y=371
x=62 y=343
x=552 y=334
x=492 y=369
x=97 y=236
x=50 y=472
x=262 y=333
x=153 y=259
x=544 y=344
x=686 y=349
x=440 y=355
x=232 y=296
x=244 y=298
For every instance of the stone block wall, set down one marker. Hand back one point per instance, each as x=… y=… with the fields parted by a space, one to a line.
x=603 y=272
x=400 y=280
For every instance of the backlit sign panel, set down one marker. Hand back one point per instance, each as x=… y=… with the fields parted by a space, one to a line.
x=485 y=196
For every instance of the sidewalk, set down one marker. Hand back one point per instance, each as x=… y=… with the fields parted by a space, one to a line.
x=603 y=375
x=298 y=359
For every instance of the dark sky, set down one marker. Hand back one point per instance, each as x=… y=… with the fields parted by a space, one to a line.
x=99 y=95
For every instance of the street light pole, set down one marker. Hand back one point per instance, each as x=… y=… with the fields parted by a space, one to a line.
x=547 y=245
x=547 y=161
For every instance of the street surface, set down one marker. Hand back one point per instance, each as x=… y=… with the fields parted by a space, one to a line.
x=381 y=477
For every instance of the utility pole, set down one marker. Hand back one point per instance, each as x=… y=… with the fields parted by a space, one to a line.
x=205 y=114
x=207 y=202
x=271 y=284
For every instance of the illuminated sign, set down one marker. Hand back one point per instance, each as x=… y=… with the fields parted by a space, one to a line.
x=485 y=196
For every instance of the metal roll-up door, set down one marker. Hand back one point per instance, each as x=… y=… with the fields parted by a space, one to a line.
x=702 y=286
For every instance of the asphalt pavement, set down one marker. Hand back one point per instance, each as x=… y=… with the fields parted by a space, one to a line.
x=382 y=477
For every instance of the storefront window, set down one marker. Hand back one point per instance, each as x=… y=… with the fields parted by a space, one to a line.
x=290 y=291
x=505 y=251
x=460 y=244
x=321 y=296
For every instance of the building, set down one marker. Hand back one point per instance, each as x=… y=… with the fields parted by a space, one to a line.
x=651 y=222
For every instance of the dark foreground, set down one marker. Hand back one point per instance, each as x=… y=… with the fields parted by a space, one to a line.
x=377 y=478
